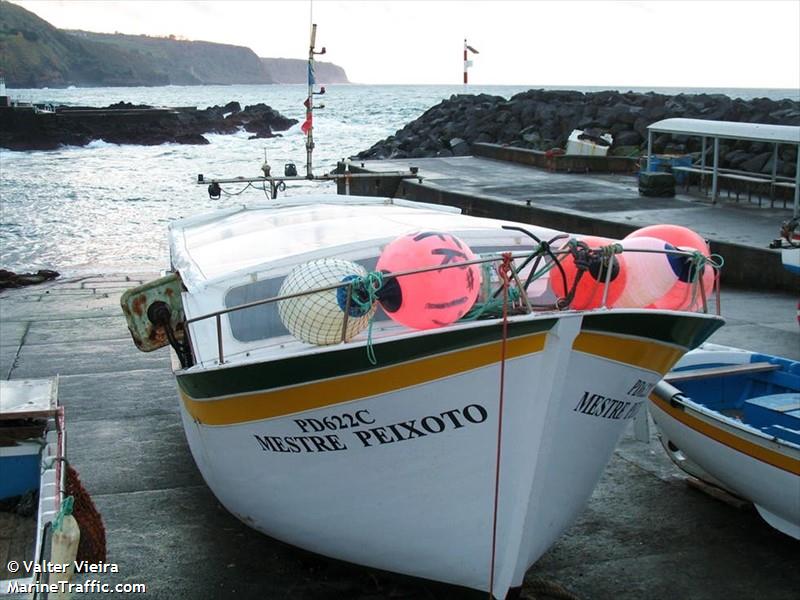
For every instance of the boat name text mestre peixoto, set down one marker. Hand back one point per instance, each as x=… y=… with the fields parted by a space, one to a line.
x=597 y=405
x=374 y=436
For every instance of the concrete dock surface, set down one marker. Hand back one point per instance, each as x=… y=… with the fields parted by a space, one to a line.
x=644 y=534
x=606 y=205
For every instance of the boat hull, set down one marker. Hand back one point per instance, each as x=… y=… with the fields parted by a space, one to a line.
x=790 y=257
x=715 y=449
x=32 y=463
x=408 y=466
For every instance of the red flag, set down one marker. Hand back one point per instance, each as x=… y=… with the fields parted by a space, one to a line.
x=307 y=124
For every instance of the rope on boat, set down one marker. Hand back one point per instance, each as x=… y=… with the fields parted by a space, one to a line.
x=504 y=270
x=699 y=260
x=364 y=295
x=697 y=263
x=66 y=509
x=493 y=307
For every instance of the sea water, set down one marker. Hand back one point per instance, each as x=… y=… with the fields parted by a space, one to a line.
x=105 y=207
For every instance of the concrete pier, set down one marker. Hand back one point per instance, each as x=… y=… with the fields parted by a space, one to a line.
x=645 y=533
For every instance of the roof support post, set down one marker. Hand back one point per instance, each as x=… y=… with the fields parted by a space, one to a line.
x=649 y=149
x=703 y=155
x=797 y=185
x=774 y=163
x=714 y=188
x=703 y=187
x=774 y=175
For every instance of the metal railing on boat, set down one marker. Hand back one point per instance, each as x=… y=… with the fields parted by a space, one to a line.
x=217 y=315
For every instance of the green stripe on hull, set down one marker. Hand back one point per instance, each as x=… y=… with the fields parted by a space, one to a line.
x=339 y=361
x=681 y=329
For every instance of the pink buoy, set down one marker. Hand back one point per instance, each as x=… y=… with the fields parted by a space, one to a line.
x=433 y=298
x=649 y=274
x=684 y=293
x=589 y=291
x=676 y=235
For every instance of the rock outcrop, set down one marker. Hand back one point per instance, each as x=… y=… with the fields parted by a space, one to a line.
x=542 y=119
x=9 y=279
x=125 y=123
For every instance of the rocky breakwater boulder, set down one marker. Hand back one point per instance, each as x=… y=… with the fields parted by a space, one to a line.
x=9 y=279
x=125 y=123
x=543 y=119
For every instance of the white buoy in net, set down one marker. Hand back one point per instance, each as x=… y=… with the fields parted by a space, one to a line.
x=650 y=274
x=318 y=318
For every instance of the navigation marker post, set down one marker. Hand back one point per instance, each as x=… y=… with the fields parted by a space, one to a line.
x=467 y=62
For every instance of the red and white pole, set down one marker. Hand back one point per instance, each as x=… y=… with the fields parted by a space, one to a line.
x=465 y=62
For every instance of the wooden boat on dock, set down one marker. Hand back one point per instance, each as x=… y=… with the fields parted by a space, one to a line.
x=457 y=451
x=731 y=418
x=33 y=475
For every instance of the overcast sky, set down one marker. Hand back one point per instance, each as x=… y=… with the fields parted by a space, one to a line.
x=753 y=44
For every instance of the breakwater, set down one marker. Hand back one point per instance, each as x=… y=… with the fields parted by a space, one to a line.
x=27 y=128
x=543 y=119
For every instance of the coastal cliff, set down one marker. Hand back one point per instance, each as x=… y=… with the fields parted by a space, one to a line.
x=183 y=62
x=295 y=70
x=36 y=54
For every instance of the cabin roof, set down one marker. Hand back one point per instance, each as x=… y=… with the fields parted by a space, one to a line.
x=757 y=132
x=222 y=245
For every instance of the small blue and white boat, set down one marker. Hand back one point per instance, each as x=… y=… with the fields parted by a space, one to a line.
x=32 y=478
x=731 y=418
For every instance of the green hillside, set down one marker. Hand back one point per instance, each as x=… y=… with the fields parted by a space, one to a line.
x=36 y=54
x=295 y=70
x=185 y=62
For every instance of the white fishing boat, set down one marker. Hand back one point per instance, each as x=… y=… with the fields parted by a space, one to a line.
x=33 y=475
x=401 y=386
x=731 y=418
x=457 y=452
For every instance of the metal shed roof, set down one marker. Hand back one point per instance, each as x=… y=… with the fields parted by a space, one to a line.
x=758 y=132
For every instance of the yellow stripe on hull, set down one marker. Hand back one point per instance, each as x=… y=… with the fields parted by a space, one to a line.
x=753 y=450
x=647 y=354
x=290 y=400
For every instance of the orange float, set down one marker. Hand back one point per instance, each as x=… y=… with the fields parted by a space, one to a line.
x=589 y=291
x=432 y=298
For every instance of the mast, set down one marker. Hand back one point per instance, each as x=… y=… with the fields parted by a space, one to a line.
x=308 y=126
